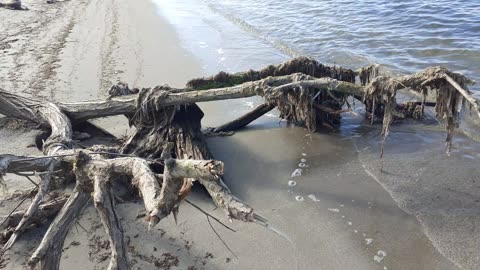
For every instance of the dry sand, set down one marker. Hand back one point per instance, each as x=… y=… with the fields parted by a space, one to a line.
x=336 y=216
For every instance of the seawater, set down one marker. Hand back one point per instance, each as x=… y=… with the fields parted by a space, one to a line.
x=405 y=35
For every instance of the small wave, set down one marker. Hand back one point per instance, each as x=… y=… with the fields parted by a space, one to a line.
x=276 y=43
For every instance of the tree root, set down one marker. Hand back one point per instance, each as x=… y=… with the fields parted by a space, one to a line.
x=105 y=205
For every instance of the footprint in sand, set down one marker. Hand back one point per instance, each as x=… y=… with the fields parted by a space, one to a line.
x=297 y=173
x=299 y=198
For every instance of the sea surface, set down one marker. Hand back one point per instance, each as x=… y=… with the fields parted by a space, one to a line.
x=405 y=35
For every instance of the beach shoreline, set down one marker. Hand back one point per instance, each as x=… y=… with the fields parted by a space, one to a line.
x=337 y=215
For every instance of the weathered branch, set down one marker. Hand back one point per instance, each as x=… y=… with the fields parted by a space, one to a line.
x=48 y=254
x=16 y=106
x=474 y=103
x=45 y=211
x=105 y=204
x=245 y=119
x=26 y=219
x=12 y=163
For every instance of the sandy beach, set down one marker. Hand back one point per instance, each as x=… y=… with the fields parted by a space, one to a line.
x=343 y=212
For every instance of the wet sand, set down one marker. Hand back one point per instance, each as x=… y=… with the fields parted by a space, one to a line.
x=342 y=212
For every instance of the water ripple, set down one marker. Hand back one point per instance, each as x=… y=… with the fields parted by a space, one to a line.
x=407 y=35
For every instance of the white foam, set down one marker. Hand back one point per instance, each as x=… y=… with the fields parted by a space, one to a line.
x=303 y=160
x=343 y=216
x=311 y=196
x=341 y=205
x=350 y=223
x=304 y=154
x=368 y=241
x=299 y=198
x=334 y=210
x=380 y=255
x=220 y=51
x=249 y=104
x=296 y=173
x=292 y=183
x=302 y=165
x=355 y=231
x=202 y=44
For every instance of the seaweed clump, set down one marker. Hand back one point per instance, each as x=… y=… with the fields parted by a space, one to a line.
x=305 y=65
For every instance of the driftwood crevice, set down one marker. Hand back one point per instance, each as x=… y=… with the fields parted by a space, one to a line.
x=167 y=153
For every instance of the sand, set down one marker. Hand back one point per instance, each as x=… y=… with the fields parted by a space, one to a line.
x=340 y=213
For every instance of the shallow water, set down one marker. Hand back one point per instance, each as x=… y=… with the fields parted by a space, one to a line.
x=405 y=35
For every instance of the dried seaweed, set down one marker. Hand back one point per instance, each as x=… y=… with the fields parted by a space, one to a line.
x=449 y=101
x=368 y=73
x=305 y=65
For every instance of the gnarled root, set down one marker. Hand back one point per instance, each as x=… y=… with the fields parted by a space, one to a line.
x=49 y=252
x=105 y=205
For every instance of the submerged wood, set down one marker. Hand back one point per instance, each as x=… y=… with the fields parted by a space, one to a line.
x=245 y=119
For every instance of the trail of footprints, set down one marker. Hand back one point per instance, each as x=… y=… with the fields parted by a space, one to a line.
x=292 y=182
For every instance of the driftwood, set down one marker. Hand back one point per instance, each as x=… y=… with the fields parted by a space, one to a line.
x=244 y=120
x=167 y=152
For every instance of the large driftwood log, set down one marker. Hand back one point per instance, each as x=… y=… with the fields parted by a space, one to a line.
x=276 y=89
x=164 y=172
